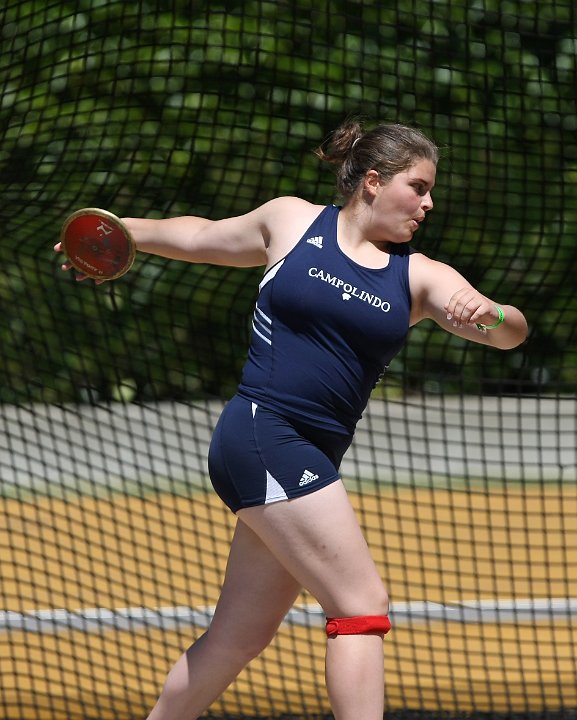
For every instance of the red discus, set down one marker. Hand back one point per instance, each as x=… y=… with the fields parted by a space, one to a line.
x=97 y=244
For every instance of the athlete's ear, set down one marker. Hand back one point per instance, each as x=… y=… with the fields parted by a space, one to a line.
x=372 y=182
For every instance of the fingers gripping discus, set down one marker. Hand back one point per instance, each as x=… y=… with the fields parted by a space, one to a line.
x=97 y=244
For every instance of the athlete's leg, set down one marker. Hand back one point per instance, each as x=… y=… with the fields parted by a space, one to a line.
x=256 y=595
x=318 y=540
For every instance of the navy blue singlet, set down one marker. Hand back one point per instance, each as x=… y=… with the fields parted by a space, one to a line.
x=325 y=329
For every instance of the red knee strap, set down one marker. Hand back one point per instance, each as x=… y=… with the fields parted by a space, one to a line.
x=363 y=625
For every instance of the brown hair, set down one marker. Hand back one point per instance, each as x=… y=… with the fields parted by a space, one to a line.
x=389 y=149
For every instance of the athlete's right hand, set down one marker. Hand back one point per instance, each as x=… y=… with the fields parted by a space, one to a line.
x=66 y=266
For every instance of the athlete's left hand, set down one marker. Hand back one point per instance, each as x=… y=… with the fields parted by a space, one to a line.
x=468 y=307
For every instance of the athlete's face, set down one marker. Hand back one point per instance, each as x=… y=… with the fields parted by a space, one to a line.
x=401 y=203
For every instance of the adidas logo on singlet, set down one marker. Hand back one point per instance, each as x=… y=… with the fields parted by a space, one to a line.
x=317 y=240
x=308 y=477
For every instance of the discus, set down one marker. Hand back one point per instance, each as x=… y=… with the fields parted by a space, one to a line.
x=97 y=244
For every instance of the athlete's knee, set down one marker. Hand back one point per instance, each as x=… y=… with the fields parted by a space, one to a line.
x=370 y=616
x=253 y=646
x=379 y=602
x=358 y=625
x=373 y=601
x=243 y=644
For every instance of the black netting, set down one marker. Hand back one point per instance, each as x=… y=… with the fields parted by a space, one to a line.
x=112 y=544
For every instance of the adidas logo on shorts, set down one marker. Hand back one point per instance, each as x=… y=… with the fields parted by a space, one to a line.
x=317 y=240
x=308 y=477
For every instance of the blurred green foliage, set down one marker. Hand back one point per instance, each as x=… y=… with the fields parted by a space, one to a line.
x=164 y=108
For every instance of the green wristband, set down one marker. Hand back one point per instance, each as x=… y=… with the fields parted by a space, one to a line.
x=483 y=328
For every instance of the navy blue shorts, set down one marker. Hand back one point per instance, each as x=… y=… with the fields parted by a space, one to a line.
x=257 y=456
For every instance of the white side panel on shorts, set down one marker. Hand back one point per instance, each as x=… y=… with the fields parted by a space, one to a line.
x=274 y=491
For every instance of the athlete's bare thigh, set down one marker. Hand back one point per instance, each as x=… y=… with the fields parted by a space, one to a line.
x=318 y=540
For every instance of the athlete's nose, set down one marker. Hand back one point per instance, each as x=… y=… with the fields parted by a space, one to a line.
x=427 y=202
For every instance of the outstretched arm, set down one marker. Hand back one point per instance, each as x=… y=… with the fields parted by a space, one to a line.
x=261 y=236
x=443 y=295
x=240 y=241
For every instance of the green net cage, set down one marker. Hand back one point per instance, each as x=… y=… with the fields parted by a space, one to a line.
x=463 y=469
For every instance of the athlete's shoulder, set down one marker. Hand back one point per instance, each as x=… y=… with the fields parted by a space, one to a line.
x=422 y=269
x=287 y=219
x=423 y=262
x=291 y=205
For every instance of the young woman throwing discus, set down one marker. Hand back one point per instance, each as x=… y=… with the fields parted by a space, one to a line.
x=339 y=293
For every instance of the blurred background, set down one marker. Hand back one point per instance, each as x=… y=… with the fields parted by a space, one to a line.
x=464 y=468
